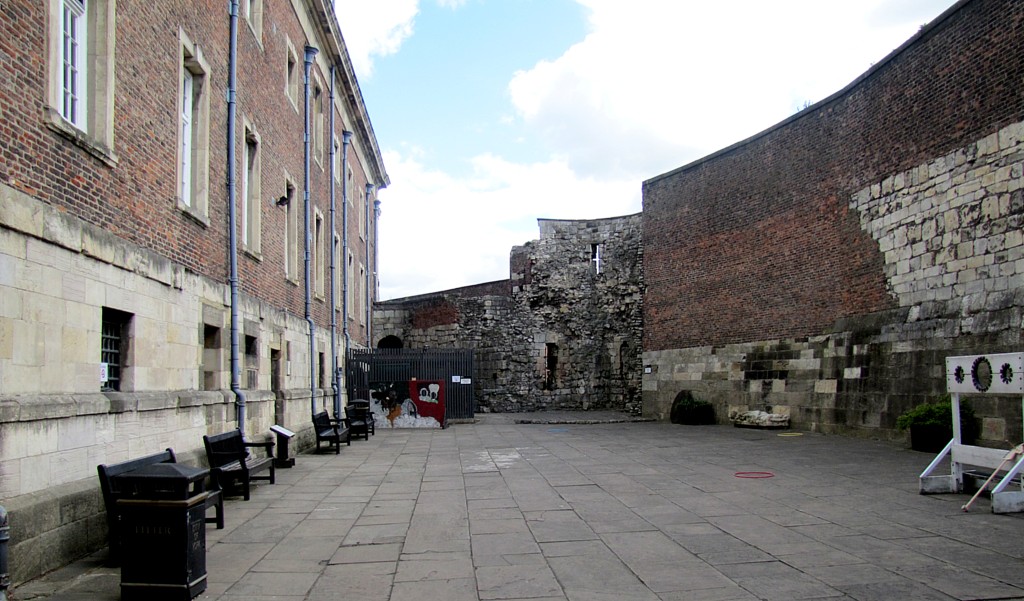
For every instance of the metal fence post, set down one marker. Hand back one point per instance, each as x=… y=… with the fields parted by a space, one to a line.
x=5 y=536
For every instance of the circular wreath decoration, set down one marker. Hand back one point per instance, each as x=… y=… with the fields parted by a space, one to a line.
x=1006 y=373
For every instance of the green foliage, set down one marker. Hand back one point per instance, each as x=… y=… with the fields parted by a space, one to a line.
x=940 y=413
x=691 y=411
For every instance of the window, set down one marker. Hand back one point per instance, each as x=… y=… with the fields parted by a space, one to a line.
x=336 y=166
x=291 y=81
x=337 y=264
x=595 y=258
x=318 y=255
x=291 y=233
x=252 y=363
x=251 y=193
x=73 y=89
x=318 y=124
x=252 y=12
x=361 y=215
x=211 y=367
x=550 y=366
x=349 y=284
x=114 y=334
x=193 y=131
x=363 y=293
x=80 y=54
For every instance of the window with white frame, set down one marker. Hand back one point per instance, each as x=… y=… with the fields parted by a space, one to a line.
x=337 y=264
x=80 y=61
x=251 y=192
x=318 y=124
x=361 y=215
x=318 y=254
x=291 y=232
x=349 y=283
x=252 y=12
x=336 y=166
x=193 y=131
x=292 y=74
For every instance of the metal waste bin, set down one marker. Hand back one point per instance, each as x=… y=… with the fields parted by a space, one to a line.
x=163 y=532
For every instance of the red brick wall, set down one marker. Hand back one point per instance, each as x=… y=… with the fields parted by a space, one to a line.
x=757 y=242
x=135 y=199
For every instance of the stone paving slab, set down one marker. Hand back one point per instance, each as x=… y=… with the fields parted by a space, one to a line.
x=596 y=507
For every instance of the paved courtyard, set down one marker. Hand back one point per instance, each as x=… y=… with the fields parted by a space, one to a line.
x=607 y=511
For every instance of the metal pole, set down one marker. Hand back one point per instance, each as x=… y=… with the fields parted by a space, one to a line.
x=236 y=369
x=310 y=55
x=335 y=372
x=5 y=536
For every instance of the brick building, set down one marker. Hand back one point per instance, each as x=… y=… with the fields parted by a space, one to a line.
x=826 y=267
x=127 y=131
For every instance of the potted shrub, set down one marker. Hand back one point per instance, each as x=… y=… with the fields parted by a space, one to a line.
x=691 y=411
x=931 y=424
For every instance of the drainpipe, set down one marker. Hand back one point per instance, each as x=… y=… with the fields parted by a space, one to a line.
x=376 y=248
x=5 y=536
x=346 y=138
x=369 y=296
x=335 y=373
x=236 y=368
x=310 y=54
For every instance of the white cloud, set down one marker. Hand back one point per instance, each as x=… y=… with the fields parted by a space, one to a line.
x=440 y=232
x=656 y=83
x=375 y=28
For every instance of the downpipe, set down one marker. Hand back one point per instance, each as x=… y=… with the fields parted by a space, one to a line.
x=236 y=368
x=366 y=288
x=311 y=53
x=335 y=371
x=5 y=537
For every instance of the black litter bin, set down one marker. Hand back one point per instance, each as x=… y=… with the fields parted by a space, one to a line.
x=163 y=532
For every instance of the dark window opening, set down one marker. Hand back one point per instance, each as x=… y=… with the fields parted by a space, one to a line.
x=275 y=369
x=252 y=362
x=551 y=366
x=322 y=372
x=596 y=251
x=211 y=358
x=114 y=347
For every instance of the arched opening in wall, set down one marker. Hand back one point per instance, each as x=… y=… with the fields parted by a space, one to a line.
x=550 y=366
x=390 y=342
x=625 y=358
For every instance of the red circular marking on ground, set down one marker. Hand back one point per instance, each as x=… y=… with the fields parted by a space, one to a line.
x=754 y=475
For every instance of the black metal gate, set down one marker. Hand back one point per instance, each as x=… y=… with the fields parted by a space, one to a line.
x=373 y=373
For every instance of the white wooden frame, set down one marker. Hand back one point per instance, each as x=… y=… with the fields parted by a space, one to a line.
x=967 y=374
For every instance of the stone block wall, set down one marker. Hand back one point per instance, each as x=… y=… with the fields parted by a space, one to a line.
x=827 y=266
x=562 y=333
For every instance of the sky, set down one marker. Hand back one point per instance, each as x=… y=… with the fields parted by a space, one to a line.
x=491 y=114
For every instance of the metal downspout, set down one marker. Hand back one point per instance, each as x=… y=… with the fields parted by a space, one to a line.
x=369 y=295
x=335 y=372
x=310 y=55
x=346 y=138
x=236 y=368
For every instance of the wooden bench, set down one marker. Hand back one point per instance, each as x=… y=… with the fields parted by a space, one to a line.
x=111 y=493
x=360 y=420
x=230 y=462
x=331 y=431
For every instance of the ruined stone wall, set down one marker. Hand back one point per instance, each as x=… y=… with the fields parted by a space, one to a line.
x=827 y=266
x=562 y=333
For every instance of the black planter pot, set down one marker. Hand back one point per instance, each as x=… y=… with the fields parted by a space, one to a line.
x=930 y=439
